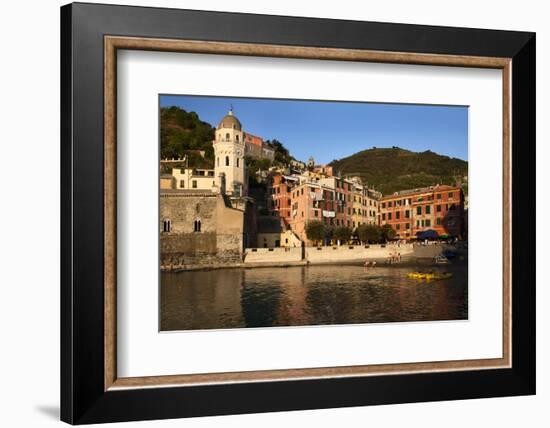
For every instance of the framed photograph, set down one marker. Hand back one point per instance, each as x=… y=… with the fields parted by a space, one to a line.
x=266 y=213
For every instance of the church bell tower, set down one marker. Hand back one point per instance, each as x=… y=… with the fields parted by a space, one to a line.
x=229 y=147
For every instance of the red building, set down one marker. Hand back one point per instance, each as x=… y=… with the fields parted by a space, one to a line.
x=439 y=208
x=279 y=190
x=257 y=148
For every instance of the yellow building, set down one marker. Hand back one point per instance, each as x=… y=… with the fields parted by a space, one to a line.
x=357 y=207
x=167 y=181
x=371 y=199
x=272 y=234
x=193 y=178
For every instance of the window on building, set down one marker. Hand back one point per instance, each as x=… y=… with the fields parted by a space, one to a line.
x=397 y=215
x=194 y=184
x=438 y=221
x=428 y=209
x=428 y=222
x=383 y=205
x=383 y=216
x=182 y=184
x=166 y=226
x=227 y=136
x=418 y=210
x=407 y=214
x=438 y=208
x=407 y=225
x=389 y=204
x=397 y=226
x=227 y=161
x=197 y=226
x=451 y=194
x=389 y=216
x=236 y=138
x=237 y=162
x=218 y=161
x=439 y=196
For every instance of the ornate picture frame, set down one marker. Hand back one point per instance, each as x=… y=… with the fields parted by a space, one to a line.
x=91 y=390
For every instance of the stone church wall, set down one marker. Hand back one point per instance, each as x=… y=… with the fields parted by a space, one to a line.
x=220 y=239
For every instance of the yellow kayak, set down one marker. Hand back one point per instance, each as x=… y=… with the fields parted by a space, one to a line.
x=429 y=275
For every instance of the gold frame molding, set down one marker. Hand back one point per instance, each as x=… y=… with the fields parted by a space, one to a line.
x=113 y=43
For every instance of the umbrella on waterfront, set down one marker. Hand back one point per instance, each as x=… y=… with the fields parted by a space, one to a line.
x=427 y=234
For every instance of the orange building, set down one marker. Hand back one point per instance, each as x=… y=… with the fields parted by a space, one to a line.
x=256 y=147
x=279 y=195
x=439 y=208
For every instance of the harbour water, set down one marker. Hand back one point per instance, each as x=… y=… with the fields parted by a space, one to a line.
x=308 y=295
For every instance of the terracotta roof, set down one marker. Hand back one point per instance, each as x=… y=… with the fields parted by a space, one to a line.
x=437 y=188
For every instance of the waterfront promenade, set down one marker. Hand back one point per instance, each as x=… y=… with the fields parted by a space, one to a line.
x=382 y=254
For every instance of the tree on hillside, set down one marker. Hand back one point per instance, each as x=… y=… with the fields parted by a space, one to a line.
x=315 y=231
x=182 y=132
x=255 y=164
x=387 y=232
x=282 y=155
x=393 y=169
x=342 y=233
x=369 y=233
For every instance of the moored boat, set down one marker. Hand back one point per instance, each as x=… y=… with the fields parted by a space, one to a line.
x=429 y=275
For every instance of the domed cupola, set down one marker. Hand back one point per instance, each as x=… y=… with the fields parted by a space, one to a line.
x=229 y=121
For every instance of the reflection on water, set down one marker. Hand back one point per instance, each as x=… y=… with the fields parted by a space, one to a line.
x=314 y=295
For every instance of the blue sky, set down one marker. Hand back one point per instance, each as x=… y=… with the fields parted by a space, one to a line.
x=330 y=130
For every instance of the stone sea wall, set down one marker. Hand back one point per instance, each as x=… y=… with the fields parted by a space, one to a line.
x=272 y=255
x=354 y=253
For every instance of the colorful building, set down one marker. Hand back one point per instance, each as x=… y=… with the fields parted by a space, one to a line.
x=343 y=190
x=257 y=148
x=194 y=178
x=439 y=208
x=279 y=190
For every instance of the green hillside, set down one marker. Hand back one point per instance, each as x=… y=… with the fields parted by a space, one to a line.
x=183 y=133
x=393 y=169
